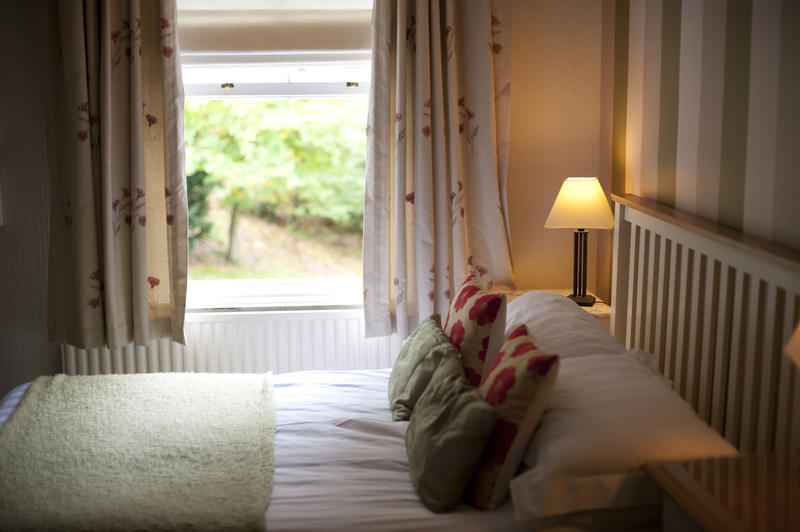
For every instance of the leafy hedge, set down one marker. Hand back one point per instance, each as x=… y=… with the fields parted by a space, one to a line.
x=291 y=160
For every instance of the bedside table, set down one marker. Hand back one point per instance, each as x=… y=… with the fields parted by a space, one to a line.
x=750 y=492
x=600 y=310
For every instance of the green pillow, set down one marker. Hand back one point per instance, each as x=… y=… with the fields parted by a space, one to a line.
x=446 y=437
x=415 y=364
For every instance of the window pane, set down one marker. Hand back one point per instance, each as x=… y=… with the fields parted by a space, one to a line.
x=275 y=187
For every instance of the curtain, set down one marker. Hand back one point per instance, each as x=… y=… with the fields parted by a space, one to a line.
x=114 y=108
x=435 y=209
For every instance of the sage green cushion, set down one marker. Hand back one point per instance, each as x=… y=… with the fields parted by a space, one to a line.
x=418 y=359
x=446 y=437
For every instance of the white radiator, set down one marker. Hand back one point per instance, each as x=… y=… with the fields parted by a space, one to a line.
x=248 y=342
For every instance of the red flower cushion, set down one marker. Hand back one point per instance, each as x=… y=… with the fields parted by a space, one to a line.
x=518 y=385
x=470 y=326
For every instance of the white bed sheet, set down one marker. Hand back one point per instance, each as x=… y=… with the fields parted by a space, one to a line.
x=341 y=461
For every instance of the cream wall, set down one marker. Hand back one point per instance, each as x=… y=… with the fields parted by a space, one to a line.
x=24 y=349
x=713 y=116
x=560 y=88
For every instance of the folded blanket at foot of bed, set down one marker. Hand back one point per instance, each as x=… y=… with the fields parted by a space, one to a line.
x=145 y=451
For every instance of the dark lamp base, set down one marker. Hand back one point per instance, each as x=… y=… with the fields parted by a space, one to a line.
x=584 y=301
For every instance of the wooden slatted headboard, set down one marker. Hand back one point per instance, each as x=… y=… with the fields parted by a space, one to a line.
x=716 y=306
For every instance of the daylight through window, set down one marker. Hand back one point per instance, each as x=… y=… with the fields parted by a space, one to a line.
x=275 y=160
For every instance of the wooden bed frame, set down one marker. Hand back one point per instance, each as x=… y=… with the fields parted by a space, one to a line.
x=716 y=306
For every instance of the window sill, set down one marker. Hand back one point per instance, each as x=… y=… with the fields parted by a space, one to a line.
x=230 y=295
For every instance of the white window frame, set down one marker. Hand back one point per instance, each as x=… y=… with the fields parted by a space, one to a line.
x=281 y=295
x=255 y=295
x=222 y=88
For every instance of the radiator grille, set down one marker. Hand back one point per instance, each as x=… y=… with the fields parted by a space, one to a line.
x=248 y=342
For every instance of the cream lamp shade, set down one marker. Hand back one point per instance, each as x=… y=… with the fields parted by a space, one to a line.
x=792 y=349
x=580 y=204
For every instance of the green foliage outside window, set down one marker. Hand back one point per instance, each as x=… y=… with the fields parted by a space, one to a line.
x=292 y=161
x=198 y=186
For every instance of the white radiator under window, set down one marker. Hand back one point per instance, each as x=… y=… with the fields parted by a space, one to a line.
x=266 y=325
x=248 y=342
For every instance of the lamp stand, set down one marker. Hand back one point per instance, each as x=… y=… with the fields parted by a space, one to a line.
x=579 y=295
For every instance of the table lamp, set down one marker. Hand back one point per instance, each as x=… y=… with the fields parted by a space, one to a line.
x=581 y=204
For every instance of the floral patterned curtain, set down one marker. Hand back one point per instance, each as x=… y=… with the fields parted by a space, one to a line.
x=435 y=207
x=118 y=243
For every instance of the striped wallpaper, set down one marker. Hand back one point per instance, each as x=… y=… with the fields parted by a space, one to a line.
x=707 y=110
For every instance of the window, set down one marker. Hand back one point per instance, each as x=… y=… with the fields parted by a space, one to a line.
x=276 y=75
x=275 y=153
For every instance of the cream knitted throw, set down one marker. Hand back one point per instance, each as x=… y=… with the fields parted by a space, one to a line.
x=139 y=452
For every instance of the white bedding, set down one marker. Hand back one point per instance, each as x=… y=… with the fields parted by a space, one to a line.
x=559 y=326
x=341 y=461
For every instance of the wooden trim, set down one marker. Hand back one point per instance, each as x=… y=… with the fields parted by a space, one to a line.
x=619 y=275
x=682 y=488
x=748 y=492
x=780 y=255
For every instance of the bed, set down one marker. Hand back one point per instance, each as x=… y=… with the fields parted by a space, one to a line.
x=342 y=463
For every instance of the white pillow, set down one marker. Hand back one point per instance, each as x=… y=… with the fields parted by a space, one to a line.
x=559 y=326
x=607 y=416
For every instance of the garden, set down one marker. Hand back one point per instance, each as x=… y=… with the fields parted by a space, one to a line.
x=275 y=187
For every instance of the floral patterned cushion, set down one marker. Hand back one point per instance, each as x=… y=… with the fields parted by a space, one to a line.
x=470 y=326
x=518 y=385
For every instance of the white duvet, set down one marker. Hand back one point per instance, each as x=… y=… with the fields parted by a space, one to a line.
x=340 y=460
